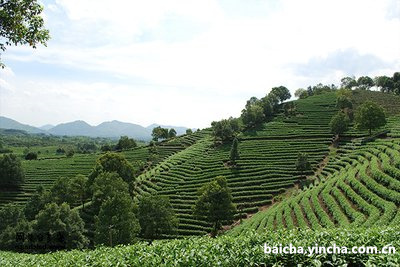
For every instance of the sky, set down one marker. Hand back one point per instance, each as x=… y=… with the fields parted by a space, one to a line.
x=190 y=62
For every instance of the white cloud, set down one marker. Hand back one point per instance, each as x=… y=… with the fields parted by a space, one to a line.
x=232 y=57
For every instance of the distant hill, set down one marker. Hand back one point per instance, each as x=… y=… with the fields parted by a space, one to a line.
x=112 y=129
x=6 y=123
x=46 y=127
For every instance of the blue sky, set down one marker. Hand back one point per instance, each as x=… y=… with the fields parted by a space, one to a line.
x=187 y=62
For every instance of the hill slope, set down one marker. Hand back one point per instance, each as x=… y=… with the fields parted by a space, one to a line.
x=6 y=123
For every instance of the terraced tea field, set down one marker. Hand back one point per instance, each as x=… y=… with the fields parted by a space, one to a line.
x=266 y=166
x=361 y=187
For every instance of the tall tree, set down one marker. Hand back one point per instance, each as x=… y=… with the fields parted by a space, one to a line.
x=302 y=163
x=301 y=93
x=156 y=216
x=113 y=162
x=365 y=82
x=125 y=143
x=116 y=222
x=348 y=82
x=11 y=172
x=171 y=133
x=214 y=203
x=281 y=92
x=225 y=130
x=78 y=188
x=253 y=115
x=370 y=116
x=21 y=23
x=234 y=153
x=339 y=123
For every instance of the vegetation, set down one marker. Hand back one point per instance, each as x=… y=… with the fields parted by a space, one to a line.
x=370 y=116
x=21 y=23
x=215 y=203
x=339 y=123
x=234 y=153
x=302 y=163
x=156 y=217
x=11 y=172
x=125 y=143
x=247 y=250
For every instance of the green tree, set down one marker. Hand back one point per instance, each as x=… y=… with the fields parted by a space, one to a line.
x=234 y=153
x=301 y=93
x=21 y=23
x=11 y=172
x=60 y=219
x=214 y=203
x=339 y=123
x=60 y=192
x=348 y=82
x=225 y=130
x=116 y=222
x=302 y=163
x=10 y=215
x=253 y=115
x=343 y=102
x=189 y=131
x=171 y=133
x=113 y=162
x=31 y=156
x=370 y=116
x=156 y=216
x=78 y=188
x=105 y=186
x=281 y=92
x=385 y=84
x=159 y=133
x=365 y=82
x=37 y=202
x=125 y=143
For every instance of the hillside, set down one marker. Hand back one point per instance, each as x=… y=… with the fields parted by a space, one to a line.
x=265 y=172
x=6 y=123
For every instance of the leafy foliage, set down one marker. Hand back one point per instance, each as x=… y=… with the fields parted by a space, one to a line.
x=370 y=116
x=125 y=143
x=339 y=123
x=234 y=153
x=21 y=23
x=156 y=216
x=116 y=222
x=11 y=172
x=215 y=203
x=225 y=130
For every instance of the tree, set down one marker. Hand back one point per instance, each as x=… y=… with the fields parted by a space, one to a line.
x=339 y=123
x=159 y=133
x=253 y=115
x=385 y=84
x=37 y=202
x=156 y=216
x=60 y=192
x=343 y=102
x=365 y=82
x=78 y=188
x=348 y=82
x=281 y=92
x=125 y=143
x=302 y=163
x=10 y=215
x=189 y=131
x=105 y=186
x=301 y=93
x=11 y=172
x=31 y=156
x=116 y=222
x=370 y=116
x=225 y=130
x=214 y=203
x=171 y=133
x=234 y=153
x=21 y=23
x=61 y=220
x=113 y=162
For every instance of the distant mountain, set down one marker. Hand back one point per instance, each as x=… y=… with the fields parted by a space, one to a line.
x=118 y=128
x=75 y=128
x=6 y=123
x=46 y=127
x=179 y=129
x=112 y=129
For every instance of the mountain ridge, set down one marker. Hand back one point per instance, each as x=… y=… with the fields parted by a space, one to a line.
x=111 y=129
